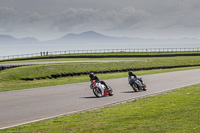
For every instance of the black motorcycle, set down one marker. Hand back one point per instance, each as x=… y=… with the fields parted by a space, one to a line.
x=137 y=83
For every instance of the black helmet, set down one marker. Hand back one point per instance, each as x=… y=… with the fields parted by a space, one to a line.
x=91 y=75
x=130 y=73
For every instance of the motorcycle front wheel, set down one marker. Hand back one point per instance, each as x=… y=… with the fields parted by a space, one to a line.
x=97 y=92
x=144 y=87
x=110 y=91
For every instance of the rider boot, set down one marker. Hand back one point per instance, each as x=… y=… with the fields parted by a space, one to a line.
x=102 y=82
x=107 y=88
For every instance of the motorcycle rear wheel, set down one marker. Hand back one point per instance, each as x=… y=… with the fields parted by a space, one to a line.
x=135 y=87
x=97 y=92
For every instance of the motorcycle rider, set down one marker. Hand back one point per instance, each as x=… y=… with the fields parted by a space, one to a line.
x=133 y=78
x=97 y=79
x=130 y=73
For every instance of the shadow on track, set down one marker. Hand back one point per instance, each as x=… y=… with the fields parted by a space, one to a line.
x=89 y=97
x=132 y=91
x=128 y=92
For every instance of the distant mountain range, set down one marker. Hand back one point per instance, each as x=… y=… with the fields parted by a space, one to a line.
x=7 y=39
x=91 y=37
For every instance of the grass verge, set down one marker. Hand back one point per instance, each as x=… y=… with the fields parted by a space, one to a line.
x=61 y=57
x=10 y=78
x=48 y=69
x=11 y=85
x=171 y=112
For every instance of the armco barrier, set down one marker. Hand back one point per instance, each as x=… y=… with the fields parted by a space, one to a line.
x=68 y=52
x=104 y=56
x=55 y=76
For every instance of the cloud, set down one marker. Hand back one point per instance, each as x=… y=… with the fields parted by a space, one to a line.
x=130 y=18
x=74 y=19
x=12 y=20
x=114 y=16
x=7 y=18
x=33 y=17
x=157 y=15
x=6 y=12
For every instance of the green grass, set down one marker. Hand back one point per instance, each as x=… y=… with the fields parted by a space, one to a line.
x=176 y=111
x=20 y=84
x=68 y=59
x=10 y=78
x=48 y=69
x=30 y=59
x=173 y=112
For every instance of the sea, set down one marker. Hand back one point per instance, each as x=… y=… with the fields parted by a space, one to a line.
x=8 y=50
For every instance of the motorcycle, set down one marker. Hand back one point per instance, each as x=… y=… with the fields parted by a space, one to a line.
x=137 y=83
x=100 y=90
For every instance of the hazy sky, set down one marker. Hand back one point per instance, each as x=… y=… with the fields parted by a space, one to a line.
x=50 y=19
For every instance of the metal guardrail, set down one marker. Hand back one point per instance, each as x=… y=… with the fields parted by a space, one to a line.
x=98 y=51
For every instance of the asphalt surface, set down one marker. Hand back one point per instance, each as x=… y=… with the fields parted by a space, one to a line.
x=30 y=105
x=52 y=62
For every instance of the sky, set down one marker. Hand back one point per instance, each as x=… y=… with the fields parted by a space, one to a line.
x=51 y=19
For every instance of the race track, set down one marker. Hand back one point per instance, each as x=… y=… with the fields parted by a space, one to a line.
x=53 y=62
x=25 y=106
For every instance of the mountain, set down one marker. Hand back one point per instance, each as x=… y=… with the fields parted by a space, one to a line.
x=7 y=39
x=29 y=39
x=85 y=37
x=91 y=37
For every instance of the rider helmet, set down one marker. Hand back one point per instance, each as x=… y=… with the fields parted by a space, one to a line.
x=130 y=73
x=91 y=75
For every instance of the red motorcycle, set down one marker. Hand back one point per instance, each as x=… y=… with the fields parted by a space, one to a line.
x=100 y=90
